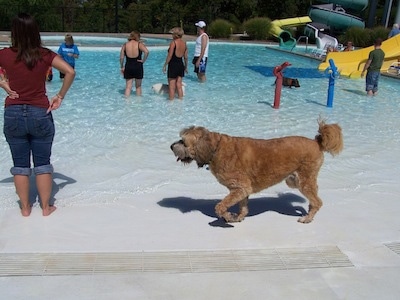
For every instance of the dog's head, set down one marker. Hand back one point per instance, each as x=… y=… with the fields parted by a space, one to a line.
x=197 y=143
x=295 y=83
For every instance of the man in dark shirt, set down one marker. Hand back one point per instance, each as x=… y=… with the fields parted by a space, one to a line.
x=373 y=67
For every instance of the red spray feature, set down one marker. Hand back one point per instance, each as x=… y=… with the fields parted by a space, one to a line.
x=278 y=83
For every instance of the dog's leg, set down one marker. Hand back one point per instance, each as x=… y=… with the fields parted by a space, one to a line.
x=234 y=197
x=309 y=188
x=243 y=209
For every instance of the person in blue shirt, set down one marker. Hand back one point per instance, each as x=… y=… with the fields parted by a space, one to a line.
x=395 y=31
x=68 y=51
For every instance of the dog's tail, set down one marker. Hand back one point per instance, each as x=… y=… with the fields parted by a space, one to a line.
x=330 y=137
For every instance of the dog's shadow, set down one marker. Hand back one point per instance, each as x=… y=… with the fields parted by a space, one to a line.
x=283 y=204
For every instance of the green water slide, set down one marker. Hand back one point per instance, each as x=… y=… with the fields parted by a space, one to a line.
x=285 y=37
x=335 y=16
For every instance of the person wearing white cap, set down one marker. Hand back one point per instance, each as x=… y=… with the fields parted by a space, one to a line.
x=201 y=51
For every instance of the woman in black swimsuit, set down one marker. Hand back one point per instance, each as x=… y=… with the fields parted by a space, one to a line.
x=177 y=60
x=133 y=69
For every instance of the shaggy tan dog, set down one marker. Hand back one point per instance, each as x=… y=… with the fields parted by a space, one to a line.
x=246 y=166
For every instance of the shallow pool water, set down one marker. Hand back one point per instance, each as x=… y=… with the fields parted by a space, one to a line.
x=109 y=148
x=94 y=41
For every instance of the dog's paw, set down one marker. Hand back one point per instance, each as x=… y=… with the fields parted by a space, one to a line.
x=229 y=217
x=232 y=217
x=305 y=219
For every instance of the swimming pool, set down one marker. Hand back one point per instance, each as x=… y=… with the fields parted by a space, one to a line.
x=112 y=150
x=95 y=41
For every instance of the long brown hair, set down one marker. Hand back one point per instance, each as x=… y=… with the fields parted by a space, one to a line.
x=25 y=39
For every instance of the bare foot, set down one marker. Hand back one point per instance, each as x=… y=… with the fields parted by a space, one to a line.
x=26 y=211
x=48 y=211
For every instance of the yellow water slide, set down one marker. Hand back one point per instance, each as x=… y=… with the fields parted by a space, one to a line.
x=351 y=64
x=285 y=37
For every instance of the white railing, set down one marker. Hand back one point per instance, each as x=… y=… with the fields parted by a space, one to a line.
x=299 y=39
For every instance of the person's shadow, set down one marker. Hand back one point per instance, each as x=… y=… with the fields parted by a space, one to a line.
x=59 y=182
x=283 y=204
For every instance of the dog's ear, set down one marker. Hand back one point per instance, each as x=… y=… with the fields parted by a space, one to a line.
x=186 y=131
x=205 y=147
x=191 y=135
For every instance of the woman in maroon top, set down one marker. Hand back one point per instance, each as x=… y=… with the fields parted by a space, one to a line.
x=28 y=121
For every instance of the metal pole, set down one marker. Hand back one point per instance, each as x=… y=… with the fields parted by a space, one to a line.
x=386 y=12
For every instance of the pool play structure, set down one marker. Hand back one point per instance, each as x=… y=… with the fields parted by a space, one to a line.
x=350 y=64
x=335 y=16
x=322 y=40
x=285 y=37
x=332 y=15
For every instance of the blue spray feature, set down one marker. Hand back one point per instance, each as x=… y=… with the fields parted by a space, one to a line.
x=333 y=73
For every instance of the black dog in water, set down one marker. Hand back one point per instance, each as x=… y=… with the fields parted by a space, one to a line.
x=286 y=81
x=290 y=82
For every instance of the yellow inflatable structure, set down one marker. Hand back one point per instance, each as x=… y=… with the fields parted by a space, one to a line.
x=351 y=63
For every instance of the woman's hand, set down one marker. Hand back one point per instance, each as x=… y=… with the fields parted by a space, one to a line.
x=55 y=102
x=5 y=85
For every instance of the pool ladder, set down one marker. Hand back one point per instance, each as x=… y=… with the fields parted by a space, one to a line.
x=299 y=39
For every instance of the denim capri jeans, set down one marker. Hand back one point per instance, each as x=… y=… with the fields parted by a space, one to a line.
x=372 y=79
x=29 y=130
